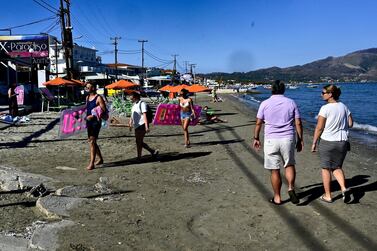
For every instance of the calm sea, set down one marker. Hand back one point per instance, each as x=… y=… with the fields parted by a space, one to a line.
x=361 y=99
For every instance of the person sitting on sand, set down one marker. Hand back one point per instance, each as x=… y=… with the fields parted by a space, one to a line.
x=208 y=117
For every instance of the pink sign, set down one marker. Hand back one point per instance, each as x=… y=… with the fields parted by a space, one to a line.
x=72 y=121
x=170 y=114
x=20 y=94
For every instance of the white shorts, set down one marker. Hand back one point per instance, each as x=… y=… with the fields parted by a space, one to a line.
x=279 y=153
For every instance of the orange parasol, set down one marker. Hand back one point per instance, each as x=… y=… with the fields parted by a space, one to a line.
x=178 y=88
x=78 y=82
x=62 y=81
x=166 y=88
x=198 y=88
x=121 y=84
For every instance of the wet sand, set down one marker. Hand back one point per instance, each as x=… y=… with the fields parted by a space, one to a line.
x=212 y=196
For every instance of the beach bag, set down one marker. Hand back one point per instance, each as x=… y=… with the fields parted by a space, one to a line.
x=97 y=111
x=149 y=113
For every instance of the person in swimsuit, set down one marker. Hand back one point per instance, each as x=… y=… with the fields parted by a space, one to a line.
x=187 y=111
x=93 y=124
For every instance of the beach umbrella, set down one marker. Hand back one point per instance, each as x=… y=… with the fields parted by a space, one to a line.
x=121 y=84
x=198 y=88
x=62 y=82
x=59 y=82
x=78 y=82
x=166 y=88
x=178 y=88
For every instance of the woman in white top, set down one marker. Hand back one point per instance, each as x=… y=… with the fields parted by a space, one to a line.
x=334 y=120
x=187 y=111
x=139 y=121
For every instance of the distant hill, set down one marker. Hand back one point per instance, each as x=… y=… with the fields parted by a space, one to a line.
x=356 y=66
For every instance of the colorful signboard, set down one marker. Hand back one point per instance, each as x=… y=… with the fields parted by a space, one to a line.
x=34 y=46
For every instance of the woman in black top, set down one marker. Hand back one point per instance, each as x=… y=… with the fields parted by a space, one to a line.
x=93 y=124
x=12 y=95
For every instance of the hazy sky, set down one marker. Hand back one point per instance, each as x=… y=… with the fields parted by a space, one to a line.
x=217 y=35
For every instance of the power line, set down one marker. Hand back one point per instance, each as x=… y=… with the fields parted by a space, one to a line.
x=128 y=53
x=89 y=21
x=52 y=7
x=157 y=58
x=31 y=23
x=162 y=65
x=51 y=26
x=45 y=7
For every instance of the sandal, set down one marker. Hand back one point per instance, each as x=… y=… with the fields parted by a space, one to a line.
x=346 y=196
x=322 y=198
x=272 y=200
x=293 y=197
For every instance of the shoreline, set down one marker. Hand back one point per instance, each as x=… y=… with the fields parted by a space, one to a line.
x=357 y=137
x=212 y=196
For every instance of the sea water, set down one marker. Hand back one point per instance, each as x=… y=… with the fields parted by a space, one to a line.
x=360 y=98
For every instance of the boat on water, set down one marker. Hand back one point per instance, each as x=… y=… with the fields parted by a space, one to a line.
x=293 y=87
x=312 y=86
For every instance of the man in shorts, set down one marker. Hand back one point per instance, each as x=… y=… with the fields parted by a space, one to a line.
x=282 y=121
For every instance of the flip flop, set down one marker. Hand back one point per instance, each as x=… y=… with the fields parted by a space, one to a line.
x=346 y=196
x=272 y=201
x=322 y=198
x=293 y=197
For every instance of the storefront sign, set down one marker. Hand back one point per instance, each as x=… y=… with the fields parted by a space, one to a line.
x=25 y=46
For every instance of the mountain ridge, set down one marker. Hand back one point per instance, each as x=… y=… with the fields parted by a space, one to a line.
x=359 y=65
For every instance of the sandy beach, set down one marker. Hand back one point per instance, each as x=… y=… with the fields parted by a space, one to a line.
x=212 y=196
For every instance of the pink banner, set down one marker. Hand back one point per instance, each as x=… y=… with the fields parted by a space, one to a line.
x=20 y=94
x=170 y=114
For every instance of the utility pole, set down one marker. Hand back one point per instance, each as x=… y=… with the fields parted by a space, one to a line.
x=174 y=67
x=186 y=63
x=116 y=54
x=142 y=57
x=175 y=63
x=56 y=58
x=67 y=40
x=191 y=71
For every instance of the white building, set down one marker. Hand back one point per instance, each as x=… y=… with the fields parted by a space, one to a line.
x=84 y=59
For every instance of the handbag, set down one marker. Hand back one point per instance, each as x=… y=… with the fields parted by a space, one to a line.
x=348 y=146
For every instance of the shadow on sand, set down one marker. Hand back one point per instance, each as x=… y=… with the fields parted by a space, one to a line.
x=357 y=191
x=164 y=157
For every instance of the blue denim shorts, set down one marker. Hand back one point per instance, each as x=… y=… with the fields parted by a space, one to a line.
x=185 y=115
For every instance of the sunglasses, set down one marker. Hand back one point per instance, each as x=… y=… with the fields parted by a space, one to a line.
x=323 y=93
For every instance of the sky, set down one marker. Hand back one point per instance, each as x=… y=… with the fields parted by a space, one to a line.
x=216 y=35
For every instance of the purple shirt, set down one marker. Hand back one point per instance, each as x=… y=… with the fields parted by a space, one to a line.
x=278 y=113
